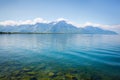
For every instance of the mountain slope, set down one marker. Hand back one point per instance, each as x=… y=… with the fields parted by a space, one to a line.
x=96 y=30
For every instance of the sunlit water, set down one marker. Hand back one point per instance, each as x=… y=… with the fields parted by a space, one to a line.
x=59 y=57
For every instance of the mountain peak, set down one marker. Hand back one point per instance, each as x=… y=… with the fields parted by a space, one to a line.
x=62 y=22
x=61 y=19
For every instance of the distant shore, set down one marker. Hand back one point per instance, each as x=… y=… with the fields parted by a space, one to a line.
x=31 y=33
x=49 y=33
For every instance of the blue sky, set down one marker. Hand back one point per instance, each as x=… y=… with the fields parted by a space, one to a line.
x=79 y=11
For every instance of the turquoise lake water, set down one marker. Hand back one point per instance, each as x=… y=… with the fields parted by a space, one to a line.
x=59 y=57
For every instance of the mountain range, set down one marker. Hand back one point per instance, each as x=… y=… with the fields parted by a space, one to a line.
x=53 y=27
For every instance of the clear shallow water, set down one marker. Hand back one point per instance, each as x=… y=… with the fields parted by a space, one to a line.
x=59 y=57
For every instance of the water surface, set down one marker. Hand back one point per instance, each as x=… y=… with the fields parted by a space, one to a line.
x=59 y=57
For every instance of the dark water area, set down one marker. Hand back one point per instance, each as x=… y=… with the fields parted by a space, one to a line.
x=59 y=57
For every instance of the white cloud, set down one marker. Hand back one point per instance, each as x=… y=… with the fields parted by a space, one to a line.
x=9 y=22
x=12 y=23
x=39 y=20
x=91 y=24
x=115 y=28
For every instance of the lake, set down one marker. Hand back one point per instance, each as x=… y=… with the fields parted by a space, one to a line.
x=59 y=57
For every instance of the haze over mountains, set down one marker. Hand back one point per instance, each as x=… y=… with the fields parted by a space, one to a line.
x=61 y=26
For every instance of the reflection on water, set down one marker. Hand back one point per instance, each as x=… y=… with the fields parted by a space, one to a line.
x=59 y=57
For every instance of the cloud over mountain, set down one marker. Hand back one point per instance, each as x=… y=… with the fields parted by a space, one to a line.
x=28 y=22
x=115 y=28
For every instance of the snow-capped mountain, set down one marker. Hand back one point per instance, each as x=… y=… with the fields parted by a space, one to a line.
x=54 y=27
